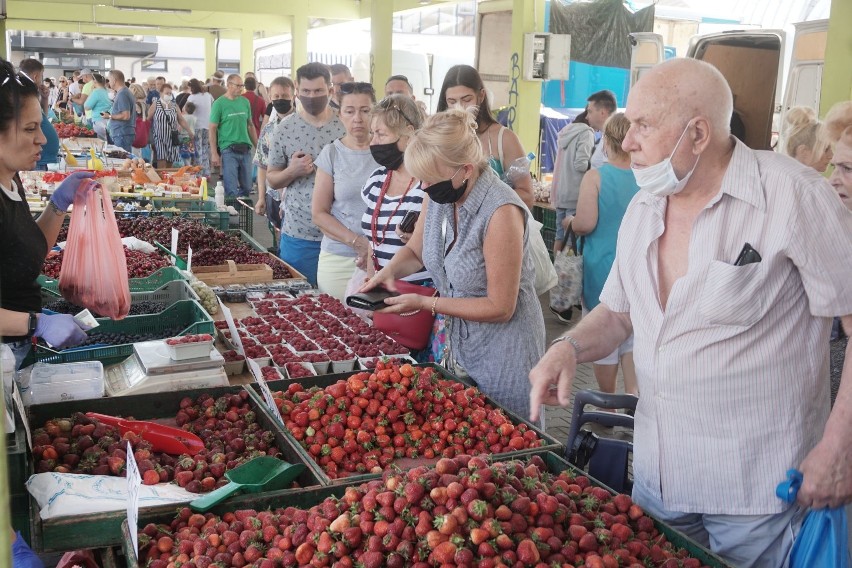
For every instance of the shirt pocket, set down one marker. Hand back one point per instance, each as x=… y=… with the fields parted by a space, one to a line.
x=733 y=295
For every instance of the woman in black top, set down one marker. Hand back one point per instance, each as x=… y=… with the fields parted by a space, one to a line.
x=24 y=242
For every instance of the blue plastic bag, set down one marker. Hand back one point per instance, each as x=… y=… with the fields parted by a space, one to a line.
x=823 y=540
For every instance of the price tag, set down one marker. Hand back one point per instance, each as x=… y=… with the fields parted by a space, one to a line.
x=264 y=390
x=235 y=337
x=134 y=481
x=189 y=259
x=175 y=236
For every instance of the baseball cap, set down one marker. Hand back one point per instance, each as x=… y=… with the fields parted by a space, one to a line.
x=86 y=71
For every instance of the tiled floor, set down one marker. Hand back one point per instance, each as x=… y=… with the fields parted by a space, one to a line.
x=557 y=420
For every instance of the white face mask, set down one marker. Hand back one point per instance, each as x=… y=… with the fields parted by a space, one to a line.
x=111 y=95
x=660 y=179
x=166 y=98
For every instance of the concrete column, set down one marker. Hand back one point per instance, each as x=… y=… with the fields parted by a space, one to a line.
x=246 y=50
x=836 y=76
x=211 y=57
x=524 y=96
x=298 y=43
x=381 y=39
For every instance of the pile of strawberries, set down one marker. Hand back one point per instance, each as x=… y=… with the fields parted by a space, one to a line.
x=362 y=424
x=196 y=338
x=227 y=425
x=465 y=512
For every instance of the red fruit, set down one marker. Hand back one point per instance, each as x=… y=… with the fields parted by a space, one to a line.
x=528 y=552
x=588 y=543
x=165 y=544
x=622 y=503
x=150 y=477
x=635 y=512
x=371 y=560
x=444 y=553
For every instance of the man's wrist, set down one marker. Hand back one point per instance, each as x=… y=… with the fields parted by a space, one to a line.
x=571 y=341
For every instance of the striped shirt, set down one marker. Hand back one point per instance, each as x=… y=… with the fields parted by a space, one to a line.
x=734 y=375
x=389 y=217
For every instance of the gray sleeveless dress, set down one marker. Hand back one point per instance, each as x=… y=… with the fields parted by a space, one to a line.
x=498 y=356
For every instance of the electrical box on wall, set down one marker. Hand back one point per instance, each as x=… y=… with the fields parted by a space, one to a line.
x=546 y=56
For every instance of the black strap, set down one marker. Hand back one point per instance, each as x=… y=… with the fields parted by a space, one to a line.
x=576 y=242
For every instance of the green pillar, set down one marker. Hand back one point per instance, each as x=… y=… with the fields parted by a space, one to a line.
x=524 y=96
x=837 y=74
x=3 y=40
x=211 y=57
x=246 y=50
x=298 y=43
x=381 y=36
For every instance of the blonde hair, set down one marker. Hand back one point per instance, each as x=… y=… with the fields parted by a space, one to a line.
x=615 y=129
x=447 y=139
x=838 y=123
x=803 y=129
x=398 y=112
x=137 y=90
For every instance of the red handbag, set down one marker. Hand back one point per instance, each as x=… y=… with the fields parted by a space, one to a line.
x=411 y=329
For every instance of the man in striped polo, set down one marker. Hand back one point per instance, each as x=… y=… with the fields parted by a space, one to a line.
x=729 y=267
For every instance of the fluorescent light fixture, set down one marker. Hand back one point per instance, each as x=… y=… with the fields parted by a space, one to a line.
x=158 y=10
x=77 y=44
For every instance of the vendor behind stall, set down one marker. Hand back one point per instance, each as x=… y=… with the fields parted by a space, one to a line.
x=24 y=242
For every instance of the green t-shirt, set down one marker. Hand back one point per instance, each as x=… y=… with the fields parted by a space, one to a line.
x=233 y=117
x=87 y=90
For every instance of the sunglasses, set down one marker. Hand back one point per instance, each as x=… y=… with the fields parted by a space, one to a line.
x=356 y=87
x=388 y=104
x=236 y=85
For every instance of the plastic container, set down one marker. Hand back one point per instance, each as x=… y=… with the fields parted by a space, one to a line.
x=235 y=293
x=7 y=365
x=220 y=195
x=183 y=351
x=66 y=381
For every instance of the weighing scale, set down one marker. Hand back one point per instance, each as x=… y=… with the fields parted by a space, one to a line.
x=150 y=369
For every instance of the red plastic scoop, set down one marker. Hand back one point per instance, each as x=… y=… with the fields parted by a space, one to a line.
x=166 y=439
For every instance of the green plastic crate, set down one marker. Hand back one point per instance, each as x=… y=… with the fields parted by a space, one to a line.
x=186 y=314
x=314 y=495
x=147 y=284
x=549 y=236
x=203 y=211
x=245 y=212
x=322 y=381
x=548 y=218
x=168 y=293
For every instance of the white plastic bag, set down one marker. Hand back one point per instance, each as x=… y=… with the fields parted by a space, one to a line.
x=545 y=274
x=568 y=265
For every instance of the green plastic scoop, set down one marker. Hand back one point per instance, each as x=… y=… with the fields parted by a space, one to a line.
x=263 y=473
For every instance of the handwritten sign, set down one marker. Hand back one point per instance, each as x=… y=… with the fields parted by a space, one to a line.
x=134 y=481
x=232 y=327
x=264 y=390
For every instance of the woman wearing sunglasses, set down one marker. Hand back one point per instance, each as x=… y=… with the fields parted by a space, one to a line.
x=336 y=207
x=475 y=244
x=24 y=242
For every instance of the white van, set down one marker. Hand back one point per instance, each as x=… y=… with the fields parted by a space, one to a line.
x=750 y=60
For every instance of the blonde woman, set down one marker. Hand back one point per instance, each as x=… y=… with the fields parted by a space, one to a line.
x=605 y=193
x=806 y=141
x=475 y=244
x=838 y=125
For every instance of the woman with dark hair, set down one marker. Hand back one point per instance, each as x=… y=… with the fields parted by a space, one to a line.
x=24 y=242
x=463 y=88
x=203 y=101
x=166 y=121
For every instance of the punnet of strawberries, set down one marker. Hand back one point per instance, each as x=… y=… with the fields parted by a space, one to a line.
x=188 y=339
x=227 y=425
x=361 y=425
x=465 y=512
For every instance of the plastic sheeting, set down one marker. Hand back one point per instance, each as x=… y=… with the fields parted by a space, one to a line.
x=599 y=30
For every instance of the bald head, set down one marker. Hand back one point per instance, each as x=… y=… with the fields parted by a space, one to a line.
x=679 y=90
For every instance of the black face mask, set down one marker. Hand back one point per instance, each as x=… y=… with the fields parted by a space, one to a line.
x=282 y=106
x=314 y=105
x=444 y=192
x=387 y=155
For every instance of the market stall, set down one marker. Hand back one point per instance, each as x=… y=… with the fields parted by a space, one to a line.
x=228 y=357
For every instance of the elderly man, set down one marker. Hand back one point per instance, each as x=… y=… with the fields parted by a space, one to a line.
x=727 y=273
x=122 y=116
x=89 y=83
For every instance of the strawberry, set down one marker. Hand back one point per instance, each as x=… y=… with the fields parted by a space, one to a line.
x=528 y=553
x=622 y=503
x=444 y=553
x=588 y=543
x=372 y=560
x=621 y=532
x=635 y=512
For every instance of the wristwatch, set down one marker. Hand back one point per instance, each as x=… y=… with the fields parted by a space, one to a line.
x=33 y=322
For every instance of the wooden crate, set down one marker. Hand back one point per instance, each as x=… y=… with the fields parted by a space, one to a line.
x=233 y=273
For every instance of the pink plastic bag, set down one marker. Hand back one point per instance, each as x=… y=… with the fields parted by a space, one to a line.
x=94 y=269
